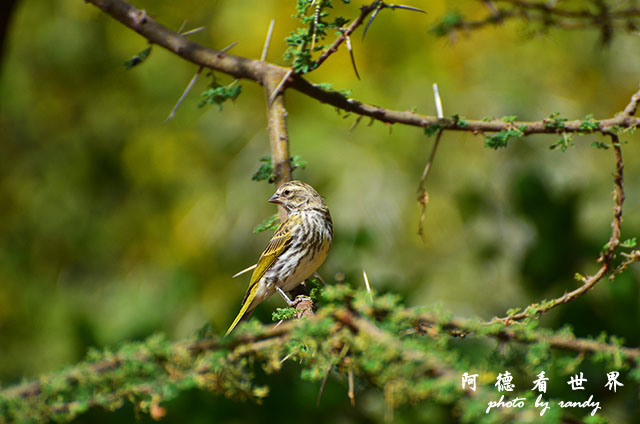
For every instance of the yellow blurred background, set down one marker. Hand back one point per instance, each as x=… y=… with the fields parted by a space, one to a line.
x=114 y=227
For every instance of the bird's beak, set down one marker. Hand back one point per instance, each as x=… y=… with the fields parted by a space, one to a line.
x=275 y=199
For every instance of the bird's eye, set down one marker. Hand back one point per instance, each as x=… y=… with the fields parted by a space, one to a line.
x=286 y=192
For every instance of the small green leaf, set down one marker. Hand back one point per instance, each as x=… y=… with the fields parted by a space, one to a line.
x=270 y=223
x=265 y=171
x=138 y=59
x=589 y=124
x=432 y=129
x=218 y=94
x=447 y=24
x=298 y=162
x=554 y=121
x=460 y=121
x=510 y=118
x=502 y=138
x=283 y=313
x=563 y=142
x=629 y=243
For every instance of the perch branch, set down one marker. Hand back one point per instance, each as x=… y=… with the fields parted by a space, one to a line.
x=278 y=134
x=270 y=335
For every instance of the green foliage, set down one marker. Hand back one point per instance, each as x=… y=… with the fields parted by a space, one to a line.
x=270 y=223
x=555 y=121
x=218 y=94
x=589 y=124
x=502 y=138
x=138 y=59
x=297 y=162
x=283 y=314
x=460 y=121
x=509 y=119
x=431 y=130
x=265 y=171
x=629 y=243
x=447 y=24
x=410 y=355
x=600 y=145
x=304 y=42
x=564 y=142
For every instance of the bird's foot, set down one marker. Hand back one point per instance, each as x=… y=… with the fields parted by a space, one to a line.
x=299 y=299
x=291 y=303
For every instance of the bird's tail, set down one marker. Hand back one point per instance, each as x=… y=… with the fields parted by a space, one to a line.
x=248 y=299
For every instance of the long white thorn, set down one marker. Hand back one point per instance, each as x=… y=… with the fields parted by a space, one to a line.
x=438 y=101
x=366 y=283
x=245 y=270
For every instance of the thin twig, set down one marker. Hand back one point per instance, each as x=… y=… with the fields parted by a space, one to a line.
x=336 y=360
x=323 y=383
x=364 y=11
x=423 y=195
x=551 y=15
x=388 y=6
x=350 y=393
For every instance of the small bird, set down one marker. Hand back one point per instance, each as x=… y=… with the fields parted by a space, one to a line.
x=298 y=247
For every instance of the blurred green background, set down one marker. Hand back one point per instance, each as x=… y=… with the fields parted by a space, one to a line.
x=114 y=227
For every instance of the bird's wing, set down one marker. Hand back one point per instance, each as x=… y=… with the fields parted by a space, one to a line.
x=279 y=243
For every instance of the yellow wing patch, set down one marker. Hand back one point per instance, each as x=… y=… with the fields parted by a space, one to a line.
x=279 y=243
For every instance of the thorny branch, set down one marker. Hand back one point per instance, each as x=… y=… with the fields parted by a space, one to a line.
x=553 y=14
x=460 y=327
x=268 y=336
x=609 y=252
x=276 y=79
x=346 y=33
x=256 y=70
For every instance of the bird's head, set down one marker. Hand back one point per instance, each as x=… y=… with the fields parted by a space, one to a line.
x=296 y=196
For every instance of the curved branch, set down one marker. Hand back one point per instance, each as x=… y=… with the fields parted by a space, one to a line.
x=606 y=257
x=344 y=36
x=241 y=67
x=138 y=20
x=548 y=14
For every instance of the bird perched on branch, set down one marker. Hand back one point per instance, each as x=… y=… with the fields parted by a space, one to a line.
x=298 y=247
